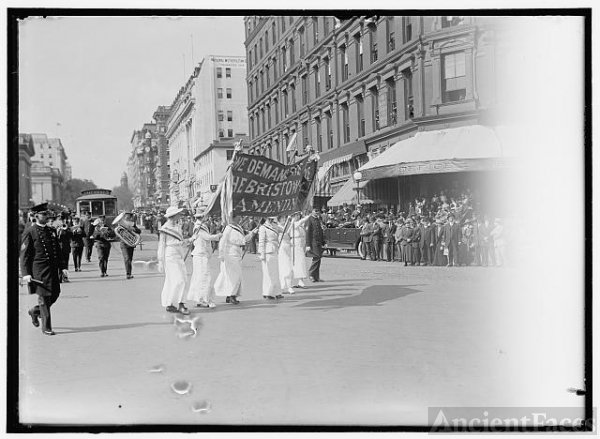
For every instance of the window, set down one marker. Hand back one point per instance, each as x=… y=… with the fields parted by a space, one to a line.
x=344 y=61
x=454 y=77
x=252 y=127
x=268 y=116
x=273 y=32
x=221 y=117
x=346 y=123
x=51 y=164
x=268 y=76
x=219 y=72
x=262 y=117
x=262 y=81
x=452 y=20
x=229 y=154
x=266 y=41
x=325 y=26
x=375 y=105
x=276 y=109
x=228 y=93
x=374 y=53
x=329 y=131
x=292 y=55
x=315 y=22
x=282 y=24
x=302 y=45
x=229 y=132
x=274 y=69
x=228 y=72
x=389 y=34
x=277 y=152
x=255 y=55
x=42 y=156
x=250 y=58
x=220 y=93
x=293 y=87
x=359 y=53
x=317 y=81
x=409 y=111
x=284 y=58
x=360 y=109
x=291 y=20
x=328 y=74
x=260 y=47
x=221 y=132
x=230 y=116
x=304 y=134
x=285 y=104
x=319 y=135
x=392 y=104
x=406 y=30
x=304 y=91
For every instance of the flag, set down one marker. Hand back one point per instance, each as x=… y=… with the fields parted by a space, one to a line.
x=292 y=146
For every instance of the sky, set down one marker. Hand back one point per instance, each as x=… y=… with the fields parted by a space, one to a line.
x=92 y=81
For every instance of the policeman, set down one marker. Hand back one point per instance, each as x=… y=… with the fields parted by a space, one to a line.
x=41 y=261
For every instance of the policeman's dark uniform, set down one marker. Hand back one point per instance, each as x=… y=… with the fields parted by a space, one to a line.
x=42 y=259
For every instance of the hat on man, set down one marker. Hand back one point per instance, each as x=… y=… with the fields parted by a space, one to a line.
x=172 y=211
x=40 y=208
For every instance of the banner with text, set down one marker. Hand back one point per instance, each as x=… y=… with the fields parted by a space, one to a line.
x=264 y=187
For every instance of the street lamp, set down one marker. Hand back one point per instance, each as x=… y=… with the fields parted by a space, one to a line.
x=357 y=178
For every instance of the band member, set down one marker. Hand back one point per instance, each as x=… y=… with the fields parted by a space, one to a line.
x=314 y=245
x=229 y=280
x=102 y=236
x=201 y=289
x=268 y=249
x=126 y=249
x=41 y=261
x=171 y=251
x=285 y=263
x=77 y=234
x=88 y=228
x=300 y=271
x=63 y=233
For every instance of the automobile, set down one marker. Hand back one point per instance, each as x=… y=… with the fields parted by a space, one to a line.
x=342 y=239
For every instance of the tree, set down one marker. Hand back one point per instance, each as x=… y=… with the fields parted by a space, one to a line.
x=73 y=190
x=124 y=197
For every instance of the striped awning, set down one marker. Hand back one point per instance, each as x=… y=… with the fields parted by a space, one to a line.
x=347 y=194
x=323 y=177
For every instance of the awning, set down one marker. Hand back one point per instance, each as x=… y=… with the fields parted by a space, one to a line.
x=347 y=194
x=469 y=148
x=333 y=157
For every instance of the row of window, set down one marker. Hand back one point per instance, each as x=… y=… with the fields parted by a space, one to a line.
x=221 y=116
x=220 y=72
x=220 y=93
x=222 y=132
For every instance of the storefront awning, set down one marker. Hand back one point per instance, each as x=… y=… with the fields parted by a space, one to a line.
x=347 y=194
x=469 y=148
x=331 y=158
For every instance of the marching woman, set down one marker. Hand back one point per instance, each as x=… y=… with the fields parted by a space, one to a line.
x=268 y=249
x=201 y=291
x=286 y=273
x=300 y=271
x=171 y=252
x=229 y=280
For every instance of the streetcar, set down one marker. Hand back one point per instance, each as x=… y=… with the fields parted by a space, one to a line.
x=97 y=202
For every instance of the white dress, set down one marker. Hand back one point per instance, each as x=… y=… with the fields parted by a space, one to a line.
x=298 y=233
x=268 y=248
x=229 y=280
x=201 y=289
x=170 y=255
x=286 y=273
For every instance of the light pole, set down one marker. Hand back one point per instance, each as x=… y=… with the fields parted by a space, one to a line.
x=357 y=178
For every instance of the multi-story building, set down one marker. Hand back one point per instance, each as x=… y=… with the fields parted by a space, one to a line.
x=141 y=165
x=163 y=171
x=48 y=170
x=353 y=89
x=207 y=116
x=26 y=152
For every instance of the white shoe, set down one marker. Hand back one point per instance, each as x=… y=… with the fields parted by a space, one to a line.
x=301 y=283
x=290 y=290
x=211 y=305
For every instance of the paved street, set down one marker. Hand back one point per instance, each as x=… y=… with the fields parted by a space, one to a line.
x=377 y=343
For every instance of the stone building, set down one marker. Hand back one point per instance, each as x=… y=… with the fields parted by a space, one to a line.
x=355 y=88
x=48 y=170
x=26 y=152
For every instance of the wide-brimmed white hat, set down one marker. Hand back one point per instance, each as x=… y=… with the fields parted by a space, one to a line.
x=96 y=222
x=172 y=211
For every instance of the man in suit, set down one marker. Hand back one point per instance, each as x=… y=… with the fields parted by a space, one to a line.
x=451 y=237
x=366 y=235
x=427 y=242
x=314 y=245
x=387 y=232
x=88 y=231
x=376 y=239
x=41 y=263
x=102 y=238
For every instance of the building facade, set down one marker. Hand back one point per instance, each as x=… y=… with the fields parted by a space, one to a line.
x=141 y=165
x=352 y=89
x=26 y=152
x=48 y=170
x=207 y=116
x=162 y=195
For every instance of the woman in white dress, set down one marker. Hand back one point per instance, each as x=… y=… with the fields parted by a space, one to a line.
x=201 y=289
x=268 y=249
x=229 y=280
x=171 y=252
x=298 y=235
x=286 y=273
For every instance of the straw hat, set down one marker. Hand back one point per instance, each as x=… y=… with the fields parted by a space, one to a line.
x=172 y=211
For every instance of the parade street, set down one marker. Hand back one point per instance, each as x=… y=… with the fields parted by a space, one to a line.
x=376 y=343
